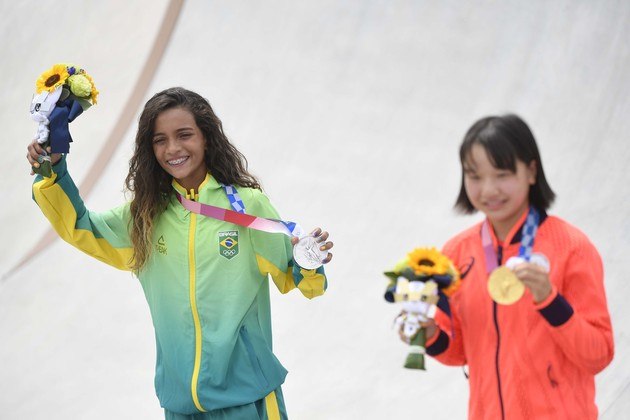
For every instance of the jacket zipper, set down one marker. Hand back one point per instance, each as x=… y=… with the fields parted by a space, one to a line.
x=193 y=306
x=496 y=327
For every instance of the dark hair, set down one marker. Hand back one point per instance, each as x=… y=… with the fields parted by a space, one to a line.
x=506 y=139
x=151 y=185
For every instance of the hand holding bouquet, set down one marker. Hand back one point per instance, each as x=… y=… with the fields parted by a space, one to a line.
x=62 y=93
x=423 y=279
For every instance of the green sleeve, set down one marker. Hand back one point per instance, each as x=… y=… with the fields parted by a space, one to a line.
x=103 y=236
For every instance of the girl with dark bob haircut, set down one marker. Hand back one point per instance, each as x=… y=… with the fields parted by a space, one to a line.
x=506 y=139
x=530 y=319
x=206 y=280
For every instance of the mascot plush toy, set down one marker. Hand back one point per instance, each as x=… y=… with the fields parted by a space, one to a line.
x=424 y=279
x=62 y=93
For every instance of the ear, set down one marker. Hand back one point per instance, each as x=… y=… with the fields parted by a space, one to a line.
x=532 y=171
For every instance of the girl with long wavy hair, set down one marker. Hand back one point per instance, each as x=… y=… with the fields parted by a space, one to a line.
x=205 y=280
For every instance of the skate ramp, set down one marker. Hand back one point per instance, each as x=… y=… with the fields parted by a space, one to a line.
x=351 y=114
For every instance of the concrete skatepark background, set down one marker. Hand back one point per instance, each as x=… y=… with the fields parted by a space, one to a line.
x=351 y=113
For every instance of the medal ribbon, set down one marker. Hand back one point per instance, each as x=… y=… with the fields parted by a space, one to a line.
x=235 y=199
x=528 y=233
x=240 y=218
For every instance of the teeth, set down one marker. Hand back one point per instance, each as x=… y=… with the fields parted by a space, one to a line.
x=177 y=161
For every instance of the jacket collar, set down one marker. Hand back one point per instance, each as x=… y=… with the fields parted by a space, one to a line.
x=515 y=234
x=209 y=183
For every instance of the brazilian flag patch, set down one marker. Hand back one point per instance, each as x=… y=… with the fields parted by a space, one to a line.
x=228 y=244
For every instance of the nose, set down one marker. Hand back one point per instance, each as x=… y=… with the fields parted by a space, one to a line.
x=489 y=188
x=172 y=146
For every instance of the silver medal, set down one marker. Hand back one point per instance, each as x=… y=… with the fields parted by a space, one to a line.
x=307 y=254
x=536 y=258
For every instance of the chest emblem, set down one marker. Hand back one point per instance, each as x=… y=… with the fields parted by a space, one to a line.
x=228 y=244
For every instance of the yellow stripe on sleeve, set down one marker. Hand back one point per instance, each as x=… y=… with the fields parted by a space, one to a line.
x=284 y=281
x=58 y=209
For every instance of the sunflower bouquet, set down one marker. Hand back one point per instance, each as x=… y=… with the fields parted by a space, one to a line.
x=63 y=92
x=424 y=278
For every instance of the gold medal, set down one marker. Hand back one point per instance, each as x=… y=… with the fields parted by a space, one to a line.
x=504 y=287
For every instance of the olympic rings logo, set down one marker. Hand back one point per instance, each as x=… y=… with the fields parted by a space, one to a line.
x=229 y=252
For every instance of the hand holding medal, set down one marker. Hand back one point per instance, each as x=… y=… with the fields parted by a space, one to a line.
x=535 y=276
x=311 y=251
x=506 y=284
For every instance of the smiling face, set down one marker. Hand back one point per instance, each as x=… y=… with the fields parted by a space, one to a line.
x=179 y=147
x=502 y=195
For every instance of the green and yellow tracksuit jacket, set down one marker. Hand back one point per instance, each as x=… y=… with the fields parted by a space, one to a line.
x=206 y=283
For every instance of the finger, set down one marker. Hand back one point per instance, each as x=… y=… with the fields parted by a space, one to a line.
x=326 y=246
x=537 y=285
x=522 y=271
x=37 y=148
x=429 y=322
x=295 y=240
x=530 y=274
x=316 y=232
x=30 y=149
x=34 y=151
x=323 y=237
x=32 y=160
x=328 y=258
x=535 y=280
x=539 y=288
x=402 y=335
x=530 y=267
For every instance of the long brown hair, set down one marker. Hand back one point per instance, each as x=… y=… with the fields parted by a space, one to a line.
x=151 y=186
